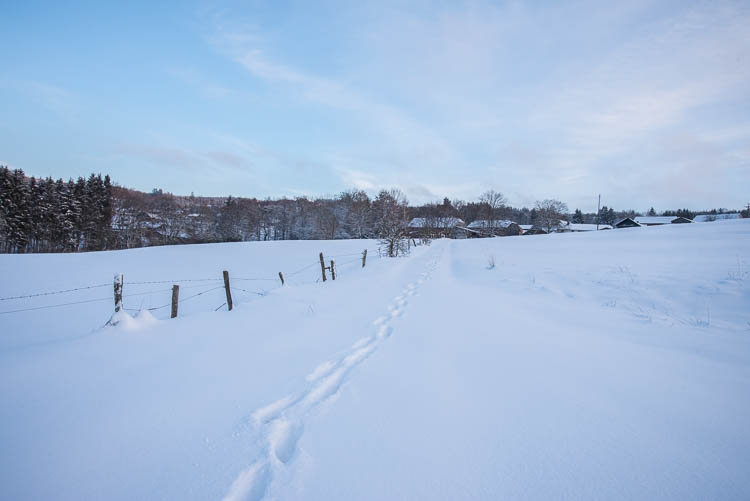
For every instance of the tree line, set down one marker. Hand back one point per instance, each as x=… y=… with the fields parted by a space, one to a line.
x=46 y=215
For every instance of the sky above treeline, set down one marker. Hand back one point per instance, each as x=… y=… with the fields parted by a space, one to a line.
x=647 y=103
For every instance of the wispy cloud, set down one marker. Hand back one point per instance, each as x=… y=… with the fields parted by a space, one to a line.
x=205 y=86
x=51 y=97
x=396 y=139
x=464 y=96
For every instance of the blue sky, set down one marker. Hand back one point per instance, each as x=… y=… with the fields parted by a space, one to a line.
x=647 y=103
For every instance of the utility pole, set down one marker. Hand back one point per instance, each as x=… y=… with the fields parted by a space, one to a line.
x=598 y=211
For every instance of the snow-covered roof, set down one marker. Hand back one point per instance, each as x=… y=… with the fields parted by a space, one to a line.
x=705 y=218
x=435 y=222
x=586 y=227
x=619 y=221
x=654 y=219
x=526 y=226
x=483 y=223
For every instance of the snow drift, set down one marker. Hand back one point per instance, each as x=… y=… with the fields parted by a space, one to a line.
x=607 y=365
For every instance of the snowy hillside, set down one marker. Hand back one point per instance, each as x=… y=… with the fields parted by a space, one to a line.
x=601 y=365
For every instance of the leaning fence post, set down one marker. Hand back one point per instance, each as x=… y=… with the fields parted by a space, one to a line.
x=333 y=270
x=282 y=278
x=229 y=292
x=118 y=292
x=175 y=300
x=322 y=267
x=364 y=257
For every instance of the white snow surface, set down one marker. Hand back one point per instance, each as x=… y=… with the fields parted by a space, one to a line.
x=483 y=224
x=645 y=220
x=435 y=222
x=709 y=218
x=600 y=365
x=586 y=227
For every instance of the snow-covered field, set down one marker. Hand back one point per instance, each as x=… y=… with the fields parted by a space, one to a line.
x=609 y=365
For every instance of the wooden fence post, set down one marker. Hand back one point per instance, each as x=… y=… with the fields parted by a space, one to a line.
x=282 y=278
x=333 y=270
x=229 y=292
x=118 y=292
x=364 y=258
x=322 y=267
x=175 y=300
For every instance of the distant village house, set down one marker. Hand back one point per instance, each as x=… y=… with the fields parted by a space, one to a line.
x=499 y=228
x=627 y=223
x=659 y=220
x=437 y=227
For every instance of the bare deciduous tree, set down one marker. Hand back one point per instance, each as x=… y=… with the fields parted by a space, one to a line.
x=492 y=202
x=391 y=218
x=550 y=212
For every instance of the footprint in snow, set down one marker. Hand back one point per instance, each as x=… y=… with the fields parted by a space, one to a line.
x=251 y=484
x=283 y=439
x=322 y=370
x=384 y=331
x=380 y=321
x=362 y=342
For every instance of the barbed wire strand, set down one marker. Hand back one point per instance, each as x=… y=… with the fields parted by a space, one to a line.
x=255 y=279
x=55 y=292
x=56 y=305
x=126 y=282
x=176 y=282
x=302 y=269
x=264 y=293
x=199 y=294
x=125 y=296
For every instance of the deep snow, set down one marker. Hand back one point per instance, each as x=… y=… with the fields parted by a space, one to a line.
x=608 y=365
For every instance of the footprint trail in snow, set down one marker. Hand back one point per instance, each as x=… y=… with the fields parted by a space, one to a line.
x=282 y=422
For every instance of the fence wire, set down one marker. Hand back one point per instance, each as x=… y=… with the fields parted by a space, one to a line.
x=38 y=294
x=55 y=305
x=202 y=283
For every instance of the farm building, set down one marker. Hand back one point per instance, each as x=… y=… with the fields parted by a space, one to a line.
x=499 y=228
x=658 y=220
x=437 y=227
x=627 y=223
x=579 y=227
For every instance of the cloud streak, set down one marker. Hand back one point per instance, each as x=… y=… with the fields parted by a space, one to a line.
x=466 y=96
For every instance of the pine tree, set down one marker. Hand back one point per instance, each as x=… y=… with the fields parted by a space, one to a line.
x=4 y=209
x=578 y=217
x=19 y=217
x=49 y=218
x=92 y=213
x=107 y=212
x=607 y=215
x=79 y=197
x=66 y=219
x=37 y=228
x=533 y=216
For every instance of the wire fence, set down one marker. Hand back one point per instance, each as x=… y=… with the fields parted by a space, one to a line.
x=308 y=274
